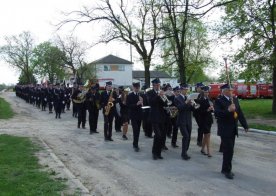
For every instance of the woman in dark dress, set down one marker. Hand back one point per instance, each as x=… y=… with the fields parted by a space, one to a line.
x=124 y=112
x=205 y=120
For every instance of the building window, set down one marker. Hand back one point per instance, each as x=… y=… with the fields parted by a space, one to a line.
x=114 y=68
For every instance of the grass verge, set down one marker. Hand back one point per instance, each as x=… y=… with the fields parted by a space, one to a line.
x=257 y=108
x=5 y=109
x=262 y=127
x=20 y=172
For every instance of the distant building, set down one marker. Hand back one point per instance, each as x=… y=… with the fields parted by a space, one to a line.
x=115 y=69
x=139 y=76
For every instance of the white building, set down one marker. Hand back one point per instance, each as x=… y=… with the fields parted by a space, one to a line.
x=115 y=69
x=139 y=76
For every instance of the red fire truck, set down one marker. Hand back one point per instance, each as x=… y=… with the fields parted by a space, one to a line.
x=265 y=90
x=245 y=91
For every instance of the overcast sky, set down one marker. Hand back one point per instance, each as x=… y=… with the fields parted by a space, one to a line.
x=38 y=17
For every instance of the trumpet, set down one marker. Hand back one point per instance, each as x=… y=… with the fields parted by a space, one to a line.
x=165 y=99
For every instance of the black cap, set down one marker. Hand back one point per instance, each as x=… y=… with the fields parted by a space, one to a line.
x=136 y=84
x=205 y=88
x=156 y=81
x=121 y=87
x=184 y=86
x=225 y=86
x=199 y=84
x=109 y=83
x=176 y=88
x=144 y=87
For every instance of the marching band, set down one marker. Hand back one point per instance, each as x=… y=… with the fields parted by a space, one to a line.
x=159 y=110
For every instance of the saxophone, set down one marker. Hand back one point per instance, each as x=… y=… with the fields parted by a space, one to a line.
x=109 y=104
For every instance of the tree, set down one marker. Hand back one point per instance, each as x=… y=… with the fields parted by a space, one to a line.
x=74 y=53
x=48 y=61
x=17 y=52
x=25 y=78
x=136 y=24
x=179 y=15
x=254 y=21
x=195 y=55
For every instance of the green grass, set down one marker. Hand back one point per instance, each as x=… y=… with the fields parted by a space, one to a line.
x=257 y=108
x=5 y=109
x=262 y=127
x=20 y=172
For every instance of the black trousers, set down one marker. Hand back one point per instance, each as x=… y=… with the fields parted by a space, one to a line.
x=81 y=114
x=228 y=144
x=50 y=106
x=186 y=137
x=174 y=130
x=199 y=131
x=108 y=121
x=118 y=122
x=68 y=104
x=147 y=127
x=93 y=119
x=75 y=109
x=159 y=134
x=136 y=126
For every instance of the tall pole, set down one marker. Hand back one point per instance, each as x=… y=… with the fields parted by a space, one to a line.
x=227 y=72
x=130 y=50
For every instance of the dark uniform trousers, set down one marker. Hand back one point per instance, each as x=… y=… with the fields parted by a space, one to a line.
x=174 y=130
x=228 y=144
x=93 y=119
x=159 y=135
x=108 y=121
x=81 y=114
x=185 y=130
x=136 y=125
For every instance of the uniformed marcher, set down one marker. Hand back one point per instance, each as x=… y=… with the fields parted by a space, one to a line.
x=135 y=102
x=147 y=128
x=184 y=119
x=108 y=103
x=196 y=113
x=157 y=117
x=81 y=108
x=205 y=119
x=228 y=112
x=174 y=120
x=93 y=106
x=57 y=101
x=117 y=115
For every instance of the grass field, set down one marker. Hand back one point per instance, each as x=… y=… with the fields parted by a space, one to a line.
x=5 y=109
x=20 y=172
x=257 y=108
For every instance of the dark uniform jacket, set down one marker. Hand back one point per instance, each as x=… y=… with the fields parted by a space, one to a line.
x=157 y=113
x=227 y=124
x=205 y=116
x=184 y=111
x=104 y=100
x=135 y=111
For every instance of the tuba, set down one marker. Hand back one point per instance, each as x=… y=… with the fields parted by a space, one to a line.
x=109 y=104
x=82 y=96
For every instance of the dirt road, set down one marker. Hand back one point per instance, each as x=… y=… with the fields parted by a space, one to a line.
x=113 y=168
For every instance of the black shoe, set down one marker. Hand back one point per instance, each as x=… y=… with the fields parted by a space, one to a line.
x=110 y=139
x=95 y=131
x=118 y=130
x=165 y=148
x=199 y=144
x=79 y=126
x=154 y=156
x=202 y=152
x=136 y=149
x=106 y=139
x=229 y=175
x=160 y=157
x=174 y=145
x=223 y=172
x=58 y=116
x=209 y=155
x=186 y=157
x=169 y=136
x=83 y=127
x=91 y=132
x=124 y=137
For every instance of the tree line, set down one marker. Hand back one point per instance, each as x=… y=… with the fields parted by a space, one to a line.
x=174 y=29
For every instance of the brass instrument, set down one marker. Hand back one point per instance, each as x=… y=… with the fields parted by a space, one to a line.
x=141 y=100
x=192 y=97
x=171 y=110
x=109 y=104
x=82 y=96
